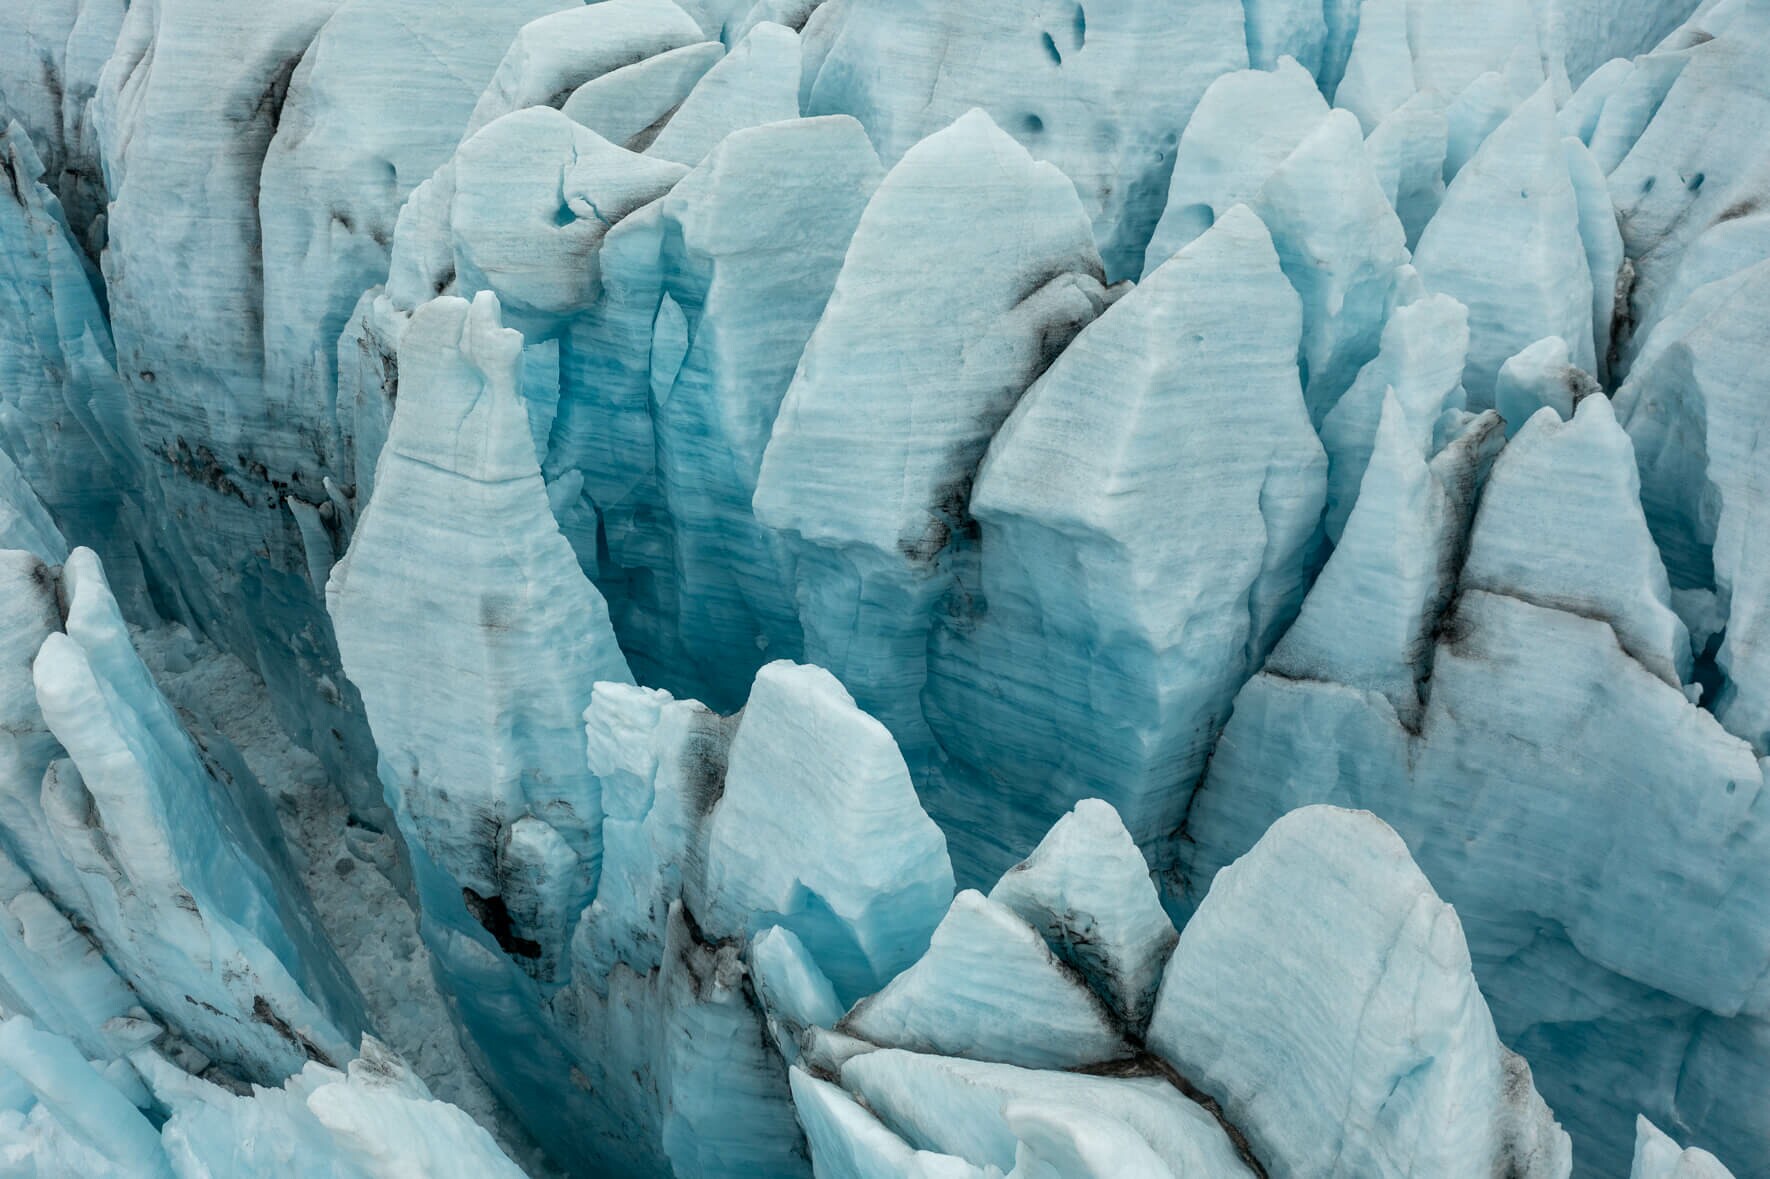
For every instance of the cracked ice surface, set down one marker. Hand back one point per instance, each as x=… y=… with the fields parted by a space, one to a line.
x=1054 y=589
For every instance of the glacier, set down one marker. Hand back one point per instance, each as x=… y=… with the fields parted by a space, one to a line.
x=884 y=589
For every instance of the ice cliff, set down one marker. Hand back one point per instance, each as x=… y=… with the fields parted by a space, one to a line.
x=884 y=589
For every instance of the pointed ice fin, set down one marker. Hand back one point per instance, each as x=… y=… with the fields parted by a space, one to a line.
x=756 y=83
x=1323 y=993
x=559 y=52
x=1425 y=345
x=819 y=829
x=990 y=989
x=1560 y=525
x=1141 y=549
x=1369 y=620
x=1245 y=126
x=1507 y=244
x=1658 y=1157
x=464 y=618
x=1086 y=889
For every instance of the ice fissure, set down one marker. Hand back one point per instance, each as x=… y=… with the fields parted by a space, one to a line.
x=875 y=589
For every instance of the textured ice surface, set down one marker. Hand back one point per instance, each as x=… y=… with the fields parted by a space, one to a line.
x=1696 y=439
x=781 y=588
x=1100 y=92
x=175 y=865
x=1270 y=141
x=898 y=394
x=1658 y=1157
x=1323 y=993
x=484 y=734
x=669 y=387
x=1369 y=619
x=966 y=1107
x=374 y=1120
x=991 y=989
x=1087 y=891
x=1081 y=627
x=867 y=887
x=1517 y=189
x=1486 y=763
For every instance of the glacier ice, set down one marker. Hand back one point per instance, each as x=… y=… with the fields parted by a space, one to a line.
x=990 y=988
x=847 y=1142
x=373 y=1120
x=1102 y=93
x=1517 y=189
x=470 y=743
x=1246 y=125
x=700 y=588
x=965 y=1108
x=1588 y=460
x=1087 y=891
x=354 y=144
x=1541 y=376
x=1420 y=362
x=629 y=104
x=756 y=83
x=552 y=55
x=1031 y=589
x=1687 y=424
x=897 y=396
x=533 y=195
x=865 y=900
x=1506 y=766
x=1370 y=618
x=1269 y=140
x=176 y=874
x=1345 y=1011
x=1233 y=483
x=1409 y=151
x=1658 y=1157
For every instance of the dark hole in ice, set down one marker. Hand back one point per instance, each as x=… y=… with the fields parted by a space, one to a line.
x=491 y=913
x=1708 y=674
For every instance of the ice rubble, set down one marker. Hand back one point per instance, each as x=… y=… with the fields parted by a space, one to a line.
x=815 y=565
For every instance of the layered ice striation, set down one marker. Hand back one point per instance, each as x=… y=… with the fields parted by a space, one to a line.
x=866 y=589
x=1088 y=663
x=1366 y=1029
x=869 y=468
